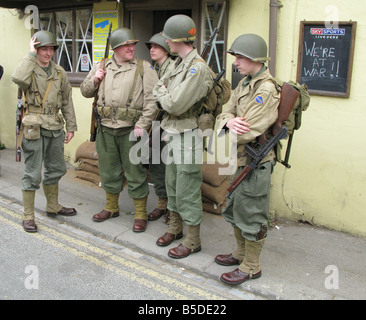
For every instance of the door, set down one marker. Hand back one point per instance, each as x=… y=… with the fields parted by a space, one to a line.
x=147 y=23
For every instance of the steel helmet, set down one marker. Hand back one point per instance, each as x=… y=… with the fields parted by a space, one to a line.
x=122 y=36
x=251 y=46
x=46 y=39
x=159 y=40
x=180 y=28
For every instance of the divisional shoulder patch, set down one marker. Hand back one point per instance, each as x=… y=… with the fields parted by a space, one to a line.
x=259 y=99
x=193 y=70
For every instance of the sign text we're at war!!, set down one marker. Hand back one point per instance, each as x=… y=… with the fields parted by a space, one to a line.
x=101 y=23
x=326 y=57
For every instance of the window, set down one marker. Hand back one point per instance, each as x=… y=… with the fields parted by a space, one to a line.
x=215 y=16
x=73 y=30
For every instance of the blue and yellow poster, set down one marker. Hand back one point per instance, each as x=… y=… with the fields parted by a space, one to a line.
x=101 y=23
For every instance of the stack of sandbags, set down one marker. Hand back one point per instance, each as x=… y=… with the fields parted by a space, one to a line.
x=88 y=167
x=214 y=188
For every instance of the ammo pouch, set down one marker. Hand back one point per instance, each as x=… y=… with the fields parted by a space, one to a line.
x=32 y=126
x=123 y=114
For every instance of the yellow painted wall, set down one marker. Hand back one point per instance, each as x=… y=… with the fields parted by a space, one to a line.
x=326 y=184
x=14 y=46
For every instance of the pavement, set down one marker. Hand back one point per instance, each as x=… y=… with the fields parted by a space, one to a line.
x=299 y=261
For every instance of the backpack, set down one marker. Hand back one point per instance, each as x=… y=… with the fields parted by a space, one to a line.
x=295 y=118
x=210 y=107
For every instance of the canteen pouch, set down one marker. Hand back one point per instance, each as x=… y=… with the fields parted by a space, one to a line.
x=32 y=126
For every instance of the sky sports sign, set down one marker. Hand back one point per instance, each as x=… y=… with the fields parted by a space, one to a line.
x=327 y=31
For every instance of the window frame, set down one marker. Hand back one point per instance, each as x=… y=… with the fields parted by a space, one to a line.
x=213 y=58
x=75 y=78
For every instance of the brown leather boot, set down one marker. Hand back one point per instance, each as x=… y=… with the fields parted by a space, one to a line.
x=159 y=211
x=111 y=209
x=67 y=212
x=226 y=260
x=182 y=251
x=237 y=276
x=175 y=230
x=156 y=214
x=29 y=226
x=140 y=220
x=250 y=268
x=104 y=215
x=168 y=238
x=139 y=225
x=236 y=257
x=191 y=244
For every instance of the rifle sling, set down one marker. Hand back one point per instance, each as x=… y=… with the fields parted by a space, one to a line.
x=139 y=70
x=47 y=90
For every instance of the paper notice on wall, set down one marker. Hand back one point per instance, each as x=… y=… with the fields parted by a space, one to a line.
x=84 y=62
x=101 y=23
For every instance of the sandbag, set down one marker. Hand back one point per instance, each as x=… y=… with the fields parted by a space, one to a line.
x=89 y=176
x=210 y=173
x=86 y=150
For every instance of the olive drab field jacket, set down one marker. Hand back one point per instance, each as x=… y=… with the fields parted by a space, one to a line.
x=163 y=69
x=34 y=81
x=115 y=89
x=258 y=103
x=180 y=89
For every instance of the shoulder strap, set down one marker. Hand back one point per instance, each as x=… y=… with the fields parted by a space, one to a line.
x=47 y=90
x=46 y=93
x=139 y=70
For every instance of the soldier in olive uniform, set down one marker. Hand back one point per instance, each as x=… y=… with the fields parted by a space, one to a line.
x=251 y=112
x=160 y=53
x=177 y=92
x=47 y=91
x=125 y=105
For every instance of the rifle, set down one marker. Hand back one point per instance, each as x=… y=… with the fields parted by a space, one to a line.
x=288 y=98
x=216 y=81
x=208 y=44
x=95 y=119
x=19 y=118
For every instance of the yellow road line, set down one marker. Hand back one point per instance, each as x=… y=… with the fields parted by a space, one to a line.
x=124 y=262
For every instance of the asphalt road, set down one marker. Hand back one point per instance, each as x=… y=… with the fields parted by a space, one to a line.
x=64 y=263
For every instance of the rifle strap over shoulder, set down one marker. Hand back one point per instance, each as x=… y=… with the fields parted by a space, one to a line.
x=37 y=94
x=139 y=70
x=26 y=109
x=197 y=107
x=47 y=92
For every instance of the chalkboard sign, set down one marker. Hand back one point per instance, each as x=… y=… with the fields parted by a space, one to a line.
x=326 y=57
